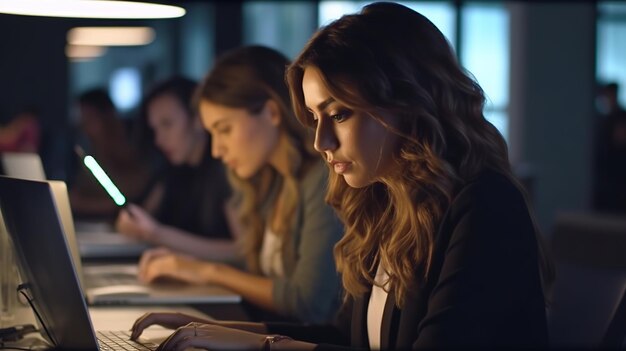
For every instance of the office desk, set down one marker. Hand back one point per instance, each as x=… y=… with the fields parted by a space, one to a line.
x=98 y=244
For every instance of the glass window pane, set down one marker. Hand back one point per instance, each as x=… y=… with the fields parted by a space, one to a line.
x=485 y=49
x=331 y=10
x=125 y=88
x=440 y=13
x=611 y=53
x=485 y=54
x=500 y=120
x=285 y=26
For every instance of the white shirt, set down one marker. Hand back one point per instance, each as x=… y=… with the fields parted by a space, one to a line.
x=375 y=308
x=271 y=258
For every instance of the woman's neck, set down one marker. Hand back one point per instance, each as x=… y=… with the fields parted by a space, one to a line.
x=279 y=158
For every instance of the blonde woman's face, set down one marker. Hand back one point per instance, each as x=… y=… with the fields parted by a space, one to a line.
x=245 y=142
x=357 y=146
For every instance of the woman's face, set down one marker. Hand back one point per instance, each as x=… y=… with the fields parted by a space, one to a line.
x=245 y=142
x=176 y=133
x=91 y=121
x=357 y=146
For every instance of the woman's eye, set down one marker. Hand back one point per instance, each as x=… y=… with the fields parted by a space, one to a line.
x=339 y=117
x=223 y=130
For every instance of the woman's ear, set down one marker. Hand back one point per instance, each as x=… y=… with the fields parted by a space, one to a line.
x=272 y=112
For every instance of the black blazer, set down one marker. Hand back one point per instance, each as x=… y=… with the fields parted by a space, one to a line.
x=484 y=287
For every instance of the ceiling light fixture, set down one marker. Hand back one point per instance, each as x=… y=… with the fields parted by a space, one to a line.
x=90 y=9
x=82 y=53
x=110 y=36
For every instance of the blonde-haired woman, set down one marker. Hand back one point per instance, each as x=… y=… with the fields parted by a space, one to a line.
x=286 y=229
x=440 y=250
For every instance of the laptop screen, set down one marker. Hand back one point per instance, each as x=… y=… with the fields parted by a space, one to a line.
x=22 y=165
x=31 y=219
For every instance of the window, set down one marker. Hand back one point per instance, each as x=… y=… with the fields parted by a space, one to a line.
x=485 y=53
x=125 y=88
x=611 y=46
x=285 y=26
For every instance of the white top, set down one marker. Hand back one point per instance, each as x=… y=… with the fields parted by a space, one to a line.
x=376 y=307
x=271 y=258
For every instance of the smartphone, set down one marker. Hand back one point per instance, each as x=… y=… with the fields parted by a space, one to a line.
x=99 y=173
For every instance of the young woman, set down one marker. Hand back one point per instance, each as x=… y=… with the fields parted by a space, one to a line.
x=440 y=250
x=286 y=230
x=185 y=209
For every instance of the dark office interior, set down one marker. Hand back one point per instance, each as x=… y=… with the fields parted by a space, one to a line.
x=540 y=63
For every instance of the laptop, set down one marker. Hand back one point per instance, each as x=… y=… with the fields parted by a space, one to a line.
x=103 y=284
x=50 y=282
x=24 y=165
x=49 y=278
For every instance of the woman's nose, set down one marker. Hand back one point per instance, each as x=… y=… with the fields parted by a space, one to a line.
x=325 y=138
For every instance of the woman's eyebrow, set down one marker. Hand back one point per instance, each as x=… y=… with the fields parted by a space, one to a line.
x=217 y=123
x=322 y=105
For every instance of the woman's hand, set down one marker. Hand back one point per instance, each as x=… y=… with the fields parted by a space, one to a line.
x=134 y=222
x=163 y=263
x=212 y=337
x=165 y=319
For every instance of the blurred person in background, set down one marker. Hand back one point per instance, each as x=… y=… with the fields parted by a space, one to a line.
x=22 y=133
x=185 y=208
x=106 y=139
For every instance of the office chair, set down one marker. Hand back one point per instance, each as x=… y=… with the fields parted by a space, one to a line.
x=615 y=334
x=587 y=304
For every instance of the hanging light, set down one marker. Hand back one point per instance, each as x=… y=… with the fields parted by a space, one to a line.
x=90 y=9
x=110 y=36
x=84 y=53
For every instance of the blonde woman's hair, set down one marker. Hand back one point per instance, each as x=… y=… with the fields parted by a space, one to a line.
x=249 y=77
x=390 y=60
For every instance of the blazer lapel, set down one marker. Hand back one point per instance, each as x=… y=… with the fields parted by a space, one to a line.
x=359 y=335
x=389 y=326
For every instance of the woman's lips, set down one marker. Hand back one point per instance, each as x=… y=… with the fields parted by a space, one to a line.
x=340 y=167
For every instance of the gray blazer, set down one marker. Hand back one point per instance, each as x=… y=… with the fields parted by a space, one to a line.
x=311 y=288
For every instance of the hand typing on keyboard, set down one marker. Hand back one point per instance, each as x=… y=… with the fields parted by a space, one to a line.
x=120 y=340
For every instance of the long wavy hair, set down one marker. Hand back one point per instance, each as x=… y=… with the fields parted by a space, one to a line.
x=247 y=78
x=390 y=60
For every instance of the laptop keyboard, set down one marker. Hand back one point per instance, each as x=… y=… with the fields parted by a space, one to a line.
x=120 y=340
x=110 y=279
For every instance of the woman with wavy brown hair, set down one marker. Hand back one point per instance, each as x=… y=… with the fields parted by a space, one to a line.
x=440 y=248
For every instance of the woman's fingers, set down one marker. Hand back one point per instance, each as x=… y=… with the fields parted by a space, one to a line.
x=212 y=337
x=180 y=334
x=165 y=319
